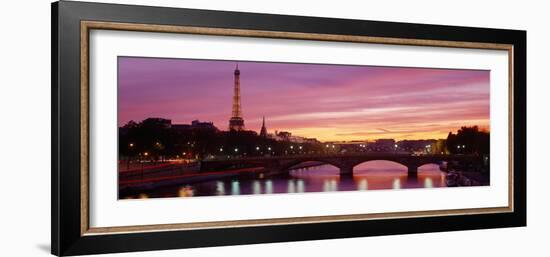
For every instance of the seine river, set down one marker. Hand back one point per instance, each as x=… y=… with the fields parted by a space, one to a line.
x=372 y=175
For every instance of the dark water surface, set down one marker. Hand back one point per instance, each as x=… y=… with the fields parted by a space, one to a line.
x=325 y=178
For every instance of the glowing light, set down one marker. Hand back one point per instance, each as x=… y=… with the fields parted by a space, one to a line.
x=235 y=188
x=334 y=185
x=291 y=187
x=269 y=187
x=131 y=145
x=396 y=184
x=300 y=186
x=363 y=185
x=330 y=185
x=146 y=153
x=236 y=150
x=257 y=148
x=220 y=188
x=326 y=186
x=185 y=191
x=256 y=187
x=428 y=183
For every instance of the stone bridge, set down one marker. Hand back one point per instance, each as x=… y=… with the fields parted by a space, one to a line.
x=345 y=162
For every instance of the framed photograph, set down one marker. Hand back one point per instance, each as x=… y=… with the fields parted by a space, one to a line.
x=177 y=128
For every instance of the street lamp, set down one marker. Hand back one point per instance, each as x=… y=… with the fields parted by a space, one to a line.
x=130 y=146
x=144 y=154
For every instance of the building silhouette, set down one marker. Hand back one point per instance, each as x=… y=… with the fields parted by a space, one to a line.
x=195 y=125
x=236 y=122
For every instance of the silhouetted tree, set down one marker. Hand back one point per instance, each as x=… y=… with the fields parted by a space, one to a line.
x=468 y=140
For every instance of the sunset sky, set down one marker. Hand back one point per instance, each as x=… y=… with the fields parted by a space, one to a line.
x=327 y=102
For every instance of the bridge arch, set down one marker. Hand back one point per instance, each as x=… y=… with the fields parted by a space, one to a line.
x=396 y=162
x=288 y=165
x=424 y=164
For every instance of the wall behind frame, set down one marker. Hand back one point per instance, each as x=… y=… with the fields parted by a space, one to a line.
x=25 y=110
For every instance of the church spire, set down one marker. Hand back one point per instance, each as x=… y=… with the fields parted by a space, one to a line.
x=263 y=131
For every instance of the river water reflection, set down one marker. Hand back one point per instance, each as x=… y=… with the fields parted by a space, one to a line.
x=325 y=178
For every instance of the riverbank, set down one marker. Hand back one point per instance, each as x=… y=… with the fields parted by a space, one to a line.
x=467 y=178
x=130 y=186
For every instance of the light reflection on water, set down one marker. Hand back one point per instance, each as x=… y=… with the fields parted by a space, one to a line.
x=220 y=188
x=373 y=175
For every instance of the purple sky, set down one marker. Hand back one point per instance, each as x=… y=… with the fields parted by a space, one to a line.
x=329 y=102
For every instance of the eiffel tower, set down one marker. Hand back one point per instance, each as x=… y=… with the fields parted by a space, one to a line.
x=236 y=122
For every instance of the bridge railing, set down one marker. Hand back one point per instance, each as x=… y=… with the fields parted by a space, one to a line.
x=329 y=155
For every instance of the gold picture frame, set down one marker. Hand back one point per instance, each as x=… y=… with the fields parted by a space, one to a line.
x=86 y=26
